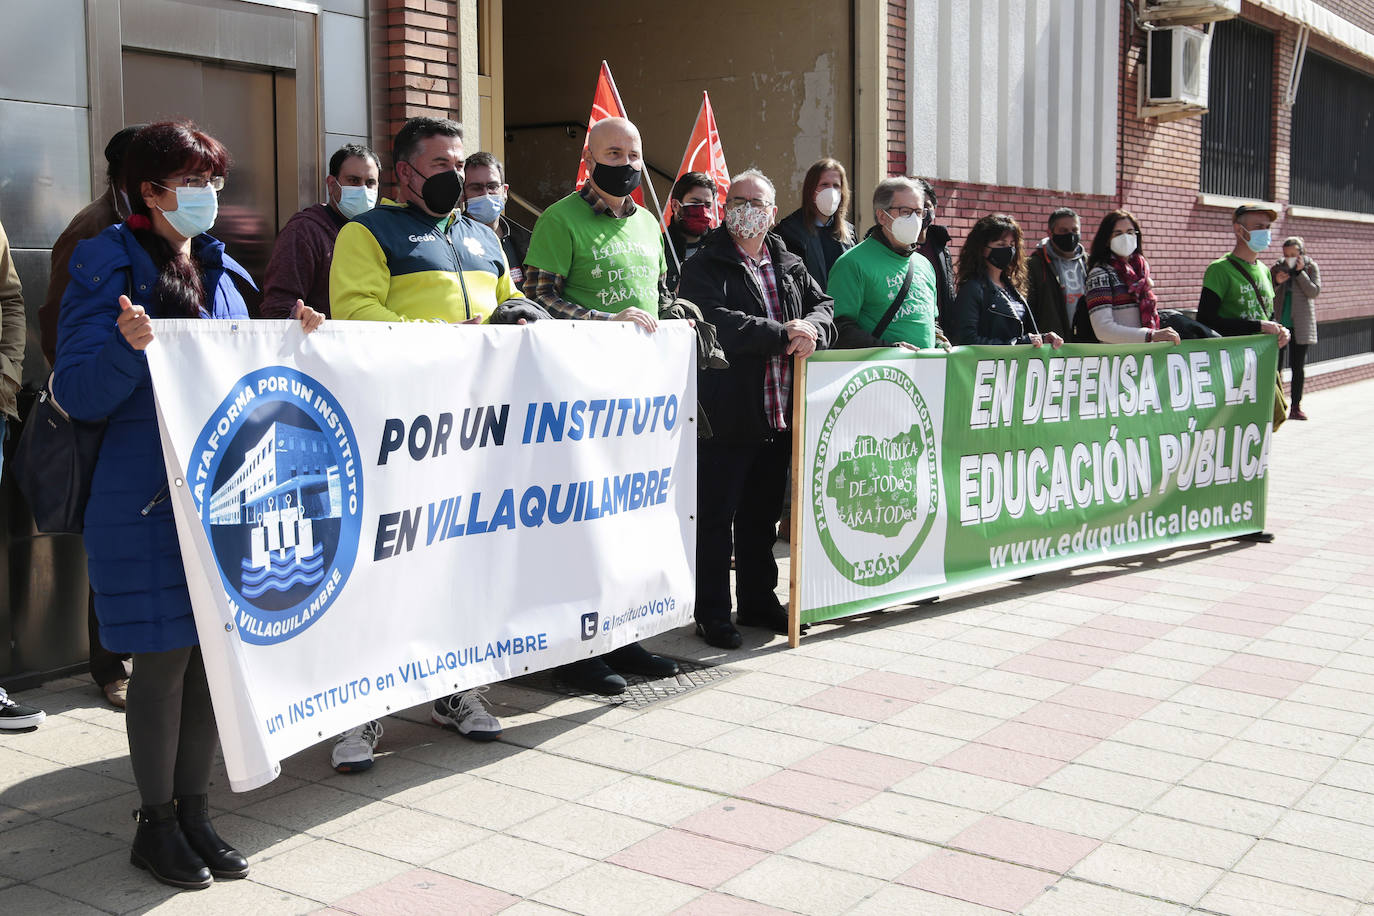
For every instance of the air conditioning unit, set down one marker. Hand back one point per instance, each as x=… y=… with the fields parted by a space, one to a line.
x=1176 y=76
x=1188 y=12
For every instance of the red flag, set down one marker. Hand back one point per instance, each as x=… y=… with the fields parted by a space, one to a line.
x=704 y=154
x=605 y=104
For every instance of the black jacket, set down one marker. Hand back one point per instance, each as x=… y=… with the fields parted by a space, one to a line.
x=982 y=317
x=716 y=279
x=516 y=244
x=936 y=250
x=675 y=239
x=818 y=250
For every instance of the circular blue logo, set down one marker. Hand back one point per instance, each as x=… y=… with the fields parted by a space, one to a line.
x=278 y=485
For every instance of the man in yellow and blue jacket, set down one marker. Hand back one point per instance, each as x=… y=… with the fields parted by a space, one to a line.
x=415 y=258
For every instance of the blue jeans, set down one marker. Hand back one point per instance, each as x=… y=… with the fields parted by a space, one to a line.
x=3 y=422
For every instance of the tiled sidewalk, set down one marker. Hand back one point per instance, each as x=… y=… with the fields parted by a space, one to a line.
x=1188 y=732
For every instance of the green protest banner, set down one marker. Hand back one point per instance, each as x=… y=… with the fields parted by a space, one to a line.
x=927 y=473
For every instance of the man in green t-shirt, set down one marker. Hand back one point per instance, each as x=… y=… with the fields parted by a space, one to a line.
x=596 y=255
x=1237 y=295
x=865 y=280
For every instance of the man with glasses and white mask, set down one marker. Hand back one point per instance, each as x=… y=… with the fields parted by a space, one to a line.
x=485 y=195
x=299 y=269
x=767 y=309
x=884 y=289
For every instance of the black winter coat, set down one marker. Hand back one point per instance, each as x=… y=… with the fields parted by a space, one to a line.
x=982 y=317
x=716 y=279
x=936 y=250
x=817 y=249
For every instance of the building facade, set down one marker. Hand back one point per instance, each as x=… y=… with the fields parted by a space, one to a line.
x=1289 y=120
x=1014 y=106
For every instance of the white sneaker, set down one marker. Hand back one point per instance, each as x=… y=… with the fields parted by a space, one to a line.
x=353 y=749
x=467 y=712
x=16 y=715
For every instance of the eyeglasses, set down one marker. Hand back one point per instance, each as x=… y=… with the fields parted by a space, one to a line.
x=192 y=181
x=734 y=203
x=904 y=212
x=491 y=187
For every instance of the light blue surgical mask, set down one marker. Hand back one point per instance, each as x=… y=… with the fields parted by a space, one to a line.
x=195 y=213
x=355 y=200
x=1259 y=240
x=485 y=209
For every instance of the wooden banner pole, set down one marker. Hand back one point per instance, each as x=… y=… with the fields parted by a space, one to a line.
x=798 y=507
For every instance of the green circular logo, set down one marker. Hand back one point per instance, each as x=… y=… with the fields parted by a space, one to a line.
x=875 y=482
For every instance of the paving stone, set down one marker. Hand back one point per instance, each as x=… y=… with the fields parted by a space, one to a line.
x=802 y=887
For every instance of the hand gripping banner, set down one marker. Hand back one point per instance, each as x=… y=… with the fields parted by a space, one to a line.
x=375 y=515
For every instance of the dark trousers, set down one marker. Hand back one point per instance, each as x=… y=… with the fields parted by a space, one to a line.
x=739 y=495
x=171 y=725
x=1297 y=358
x=106 y=666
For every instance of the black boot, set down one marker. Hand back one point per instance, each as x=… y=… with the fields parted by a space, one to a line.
x=224 y=860
x=161 y=848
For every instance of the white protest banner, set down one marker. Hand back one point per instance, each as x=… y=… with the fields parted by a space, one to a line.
x=373 y=516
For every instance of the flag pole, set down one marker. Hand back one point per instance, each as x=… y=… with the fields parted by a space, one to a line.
x=672 y=250
x=648 y=179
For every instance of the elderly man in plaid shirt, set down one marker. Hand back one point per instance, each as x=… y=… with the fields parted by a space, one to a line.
x=768 y=312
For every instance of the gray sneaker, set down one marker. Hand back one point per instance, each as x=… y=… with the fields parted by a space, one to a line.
x=353 y=749
x=16 y=715
x=467 y=712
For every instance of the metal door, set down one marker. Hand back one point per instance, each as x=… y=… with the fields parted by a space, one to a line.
x=238 y=107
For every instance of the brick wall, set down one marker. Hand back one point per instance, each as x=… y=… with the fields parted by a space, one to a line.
x=896 y=87
x=1159 y=184
x=1360 y=12
x=1158 y=171
x=414 y=64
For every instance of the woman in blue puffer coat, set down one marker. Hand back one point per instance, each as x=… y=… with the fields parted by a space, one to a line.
x=160 y=263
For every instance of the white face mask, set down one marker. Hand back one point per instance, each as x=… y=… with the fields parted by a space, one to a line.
x=1291 y=262
x=1124 y=246
x=195 y=213
x=356 y=199
x=907 y=229
x=828 y=201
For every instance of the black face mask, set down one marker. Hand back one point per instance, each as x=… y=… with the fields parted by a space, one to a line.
x=617 y=180
x=1066 y=242
x=441 y=191
x=1001 y=256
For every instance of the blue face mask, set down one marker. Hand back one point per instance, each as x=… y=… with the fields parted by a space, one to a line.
x=195 y=213
x=485 y=209
x=356 y=199
x=1259 y=240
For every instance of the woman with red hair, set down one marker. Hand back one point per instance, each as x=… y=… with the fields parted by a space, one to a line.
x=159 y=263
